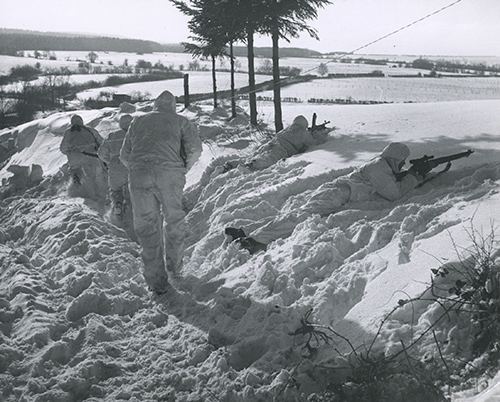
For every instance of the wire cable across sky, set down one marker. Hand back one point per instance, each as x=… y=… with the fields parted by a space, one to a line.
x=438 y=11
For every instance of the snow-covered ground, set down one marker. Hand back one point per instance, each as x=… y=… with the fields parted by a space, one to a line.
x=199 y=83
x=183 y=59
x=78 y=324
x=74 y=79
x=70 y=59
x=7 y=62
x=396 y=89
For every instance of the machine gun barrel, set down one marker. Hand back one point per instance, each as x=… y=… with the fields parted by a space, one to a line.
x=448 y=158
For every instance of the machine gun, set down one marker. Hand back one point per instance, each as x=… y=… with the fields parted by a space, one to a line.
x=318 y=127
x=425 y=164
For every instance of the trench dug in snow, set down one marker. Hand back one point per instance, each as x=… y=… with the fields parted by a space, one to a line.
x=77 y=321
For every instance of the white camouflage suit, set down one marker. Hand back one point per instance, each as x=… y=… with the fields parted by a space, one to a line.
x=371 y=181
x=159 y=148
x=290 y=141
x=109 y=152
x=80 y=144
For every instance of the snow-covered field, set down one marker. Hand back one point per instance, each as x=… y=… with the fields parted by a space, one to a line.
x=78 y=324
x=199 y=82
x=73 y=79
x=396 y=89
x=177 y=59
x=71 y=59
x=7 y=62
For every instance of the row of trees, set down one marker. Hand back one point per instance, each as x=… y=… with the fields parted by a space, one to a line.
x=216 y=25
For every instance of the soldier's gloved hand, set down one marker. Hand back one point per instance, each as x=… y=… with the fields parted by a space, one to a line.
x=416 y=173
x=413 y=171
x=424 y=169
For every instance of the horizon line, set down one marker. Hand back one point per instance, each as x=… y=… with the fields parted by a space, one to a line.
x=111 y=36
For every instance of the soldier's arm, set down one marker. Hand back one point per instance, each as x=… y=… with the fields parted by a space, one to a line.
x=97 y=136
x=126 y=148
x=385 y=184
x=190 y=143
x=65 y=147
x=104 y=151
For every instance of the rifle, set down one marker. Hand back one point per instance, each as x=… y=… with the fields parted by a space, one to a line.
x=425 y=164
x=96 y=156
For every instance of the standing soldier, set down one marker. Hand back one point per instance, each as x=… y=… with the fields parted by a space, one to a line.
x=80 y=144
x=159 y=148
x=109 y=153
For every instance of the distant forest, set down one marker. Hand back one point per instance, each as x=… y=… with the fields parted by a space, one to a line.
x=14 y=40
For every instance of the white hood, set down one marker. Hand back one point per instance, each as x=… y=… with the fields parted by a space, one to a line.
x=165 y=102
x=394 y=154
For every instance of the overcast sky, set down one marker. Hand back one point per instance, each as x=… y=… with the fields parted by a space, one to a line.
x=470 y=28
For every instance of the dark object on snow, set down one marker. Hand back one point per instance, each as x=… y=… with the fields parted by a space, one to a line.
x=422 y=166
x=235 y=233
x=252 y=245
x=315 y=127
x=248 y=243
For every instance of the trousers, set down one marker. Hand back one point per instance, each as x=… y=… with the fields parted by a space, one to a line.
x=156 y=195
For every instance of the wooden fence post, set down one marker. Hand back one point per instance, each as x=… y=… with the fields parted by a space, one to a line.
x=186 y=90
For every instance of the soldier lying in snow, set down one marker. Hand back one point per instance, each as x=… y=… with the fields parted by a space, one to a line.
x=290 y=141
x=371 y=181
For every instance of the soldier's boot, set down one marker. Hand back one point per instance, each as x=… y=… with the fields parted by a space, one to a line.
x=234 y=233
x=252 y=245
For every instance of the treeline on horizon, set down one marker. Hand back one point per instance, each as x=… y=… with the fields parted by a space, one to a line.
x=13 y=41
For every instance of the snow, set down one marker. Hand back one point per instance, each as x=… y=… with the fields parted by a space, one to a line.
x=38 y=141
x=389 y=89
x=7 y=62
x=199 y=83
x=73 y=79
x=77 y=320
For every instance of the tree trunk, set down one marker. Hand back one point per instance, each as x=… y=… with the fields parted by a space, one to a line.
x=214 y=81
x=252 y=98
x=278 y=118
x=233 y=92
x=186 y=91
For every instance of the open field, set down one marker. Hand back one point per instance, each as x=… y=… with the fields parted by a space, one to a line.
x=488 y=60
x=383 y=89
x=74 y=79
x=7 y=62
x=70 y=59
x=183 y=59
x=396 y=89
x=199 y=82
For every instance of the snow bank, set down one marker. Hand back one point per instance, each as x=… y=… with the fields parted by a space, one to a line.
x=78 y=323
